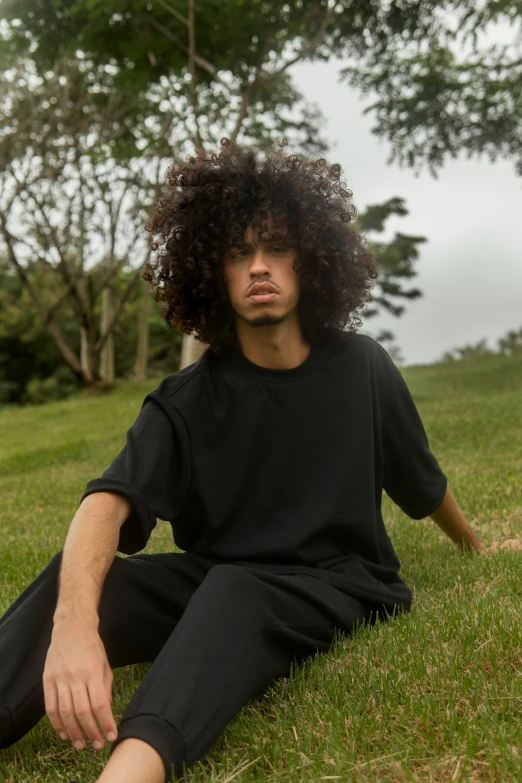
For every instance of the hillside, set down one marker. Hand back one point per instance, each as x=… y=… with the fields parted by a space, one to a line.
x=434 y=695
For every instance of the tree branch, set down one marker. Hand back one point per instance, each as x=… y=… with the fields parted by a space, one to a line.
x=192 y=52
x=67 y=353
x=173 y=11
x=63 y=266
x=116 y=315
x=248 y=94
x=197 y=59
x=311 y=47
x=61 y=298
x=115 y=268
x=261 y=81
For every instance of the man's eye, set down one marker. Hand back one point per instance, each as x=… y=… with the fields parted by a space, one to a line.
x=276 y=249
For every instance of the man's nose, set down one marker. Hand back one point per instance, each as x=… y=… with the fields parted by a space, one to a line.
x=259 y=260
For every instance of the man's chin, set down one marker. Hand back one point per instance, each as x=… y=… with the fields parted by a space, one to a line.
x=265 y=319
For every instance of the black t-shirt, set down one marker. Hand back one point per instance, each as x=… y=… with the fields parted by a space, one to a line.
x=282 y=469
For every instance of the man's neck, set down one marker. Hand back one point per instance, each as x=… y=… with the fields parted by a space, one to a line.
x=276 y=355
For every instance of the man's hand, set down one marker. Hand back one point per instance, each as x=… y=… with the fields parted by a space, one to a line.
x=510 y=543
x=77 y=683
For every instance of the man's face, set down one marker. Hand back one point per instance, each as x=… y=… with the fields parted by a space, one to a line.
x=260 y=261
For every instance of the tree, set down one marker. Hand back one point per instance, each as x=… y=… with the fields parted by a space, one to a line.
x=435 y=99
x=68 y=204
x=395 y=262
x=439 y=90
x=511 y=343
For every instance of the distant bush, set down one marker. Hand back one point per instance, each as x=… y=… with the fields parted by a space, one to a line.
x=509 y=345
x=32 y=370
x=57 y=386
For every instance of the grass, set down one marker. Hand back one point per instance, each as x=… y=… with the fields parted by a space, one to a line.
x=435 y=695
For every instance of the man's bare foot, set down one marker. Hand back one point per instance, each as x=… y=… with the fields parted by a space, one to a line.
x=133 y=761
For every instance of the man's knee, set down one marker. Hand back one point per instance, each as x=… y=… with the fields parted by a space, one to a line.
x=52 y=569
x=50 y=573
x=45 y=581
x=55 y=561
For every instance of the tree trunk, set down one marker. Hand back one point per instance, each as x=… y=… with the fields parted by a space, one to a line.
x=142 y=351
x=191 y=350
x=84 y=352
x=107 y=352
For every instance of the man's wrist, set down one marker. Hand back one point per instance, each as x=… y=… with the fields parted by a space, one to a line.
x=67 y=616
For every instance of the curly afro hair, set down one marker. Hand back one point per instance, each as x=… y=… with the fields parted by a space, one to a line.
x=213 y=201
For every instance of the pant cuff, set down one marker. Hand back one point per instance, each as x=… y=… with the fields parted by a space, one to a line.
x=160 y=735
x=7 y=730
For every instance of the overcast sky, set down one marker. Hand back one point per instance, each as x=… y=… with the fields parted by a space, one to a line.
x=470 y=269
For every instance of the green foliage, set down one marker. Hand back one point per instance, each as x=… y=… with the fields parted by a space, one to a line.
x=31 y=367
x=137 y=57
x=395 y=259
x=434 y=97
x=512 y=343
x=28 y=354
x=395 y=262
x=60 y=384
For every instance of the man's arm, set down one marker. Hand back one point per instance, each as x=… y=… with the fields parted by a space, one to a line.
x=77 y=678
x=450 y=518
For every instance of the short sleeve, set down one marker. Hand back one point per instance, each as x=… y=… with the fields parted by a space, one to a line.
x=152 y=470
x=412 y=476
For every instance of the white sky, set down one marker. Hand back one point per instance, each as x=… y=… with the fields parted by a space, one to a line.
x=470 y=269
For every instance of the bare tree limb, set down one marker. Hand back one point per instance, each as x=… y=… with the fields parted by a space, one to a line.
x=173 y=11
x=248 y=94
x=21 y=183
x=261 y=80
x=197 y=59
x=115 y=268
x=311 y=47
x=67 y=353
x=192 y=52
x=127 y=292
x=34 y=252
x=62 y=297
x=63 y=266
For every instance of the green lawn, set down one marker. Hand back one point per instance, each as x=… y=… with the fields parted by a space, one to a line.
x=435 y=695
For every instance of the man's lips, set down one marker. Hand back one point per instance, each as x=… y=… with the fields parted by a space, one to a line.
x=266 y=297
x=262 y=292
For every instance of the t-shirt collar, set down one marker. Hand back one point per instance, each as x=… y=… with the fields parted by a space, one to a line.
x=238 y=360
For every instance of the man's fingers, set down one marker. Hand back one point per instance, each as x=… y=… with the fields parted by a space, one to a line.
x=510 y=543
x=51 y=708
x=101 y=707
x=85 y=716
x=68 y=716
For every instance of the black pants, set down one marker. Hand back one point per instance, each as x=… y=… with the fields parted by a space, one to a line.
x=217 y=635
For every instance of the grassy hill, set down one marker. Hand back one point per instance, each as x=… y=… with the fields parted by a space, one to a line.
x=436 y=695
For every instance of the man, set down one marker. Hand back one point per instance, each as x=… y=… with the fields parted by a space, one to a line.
x=268 y=455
